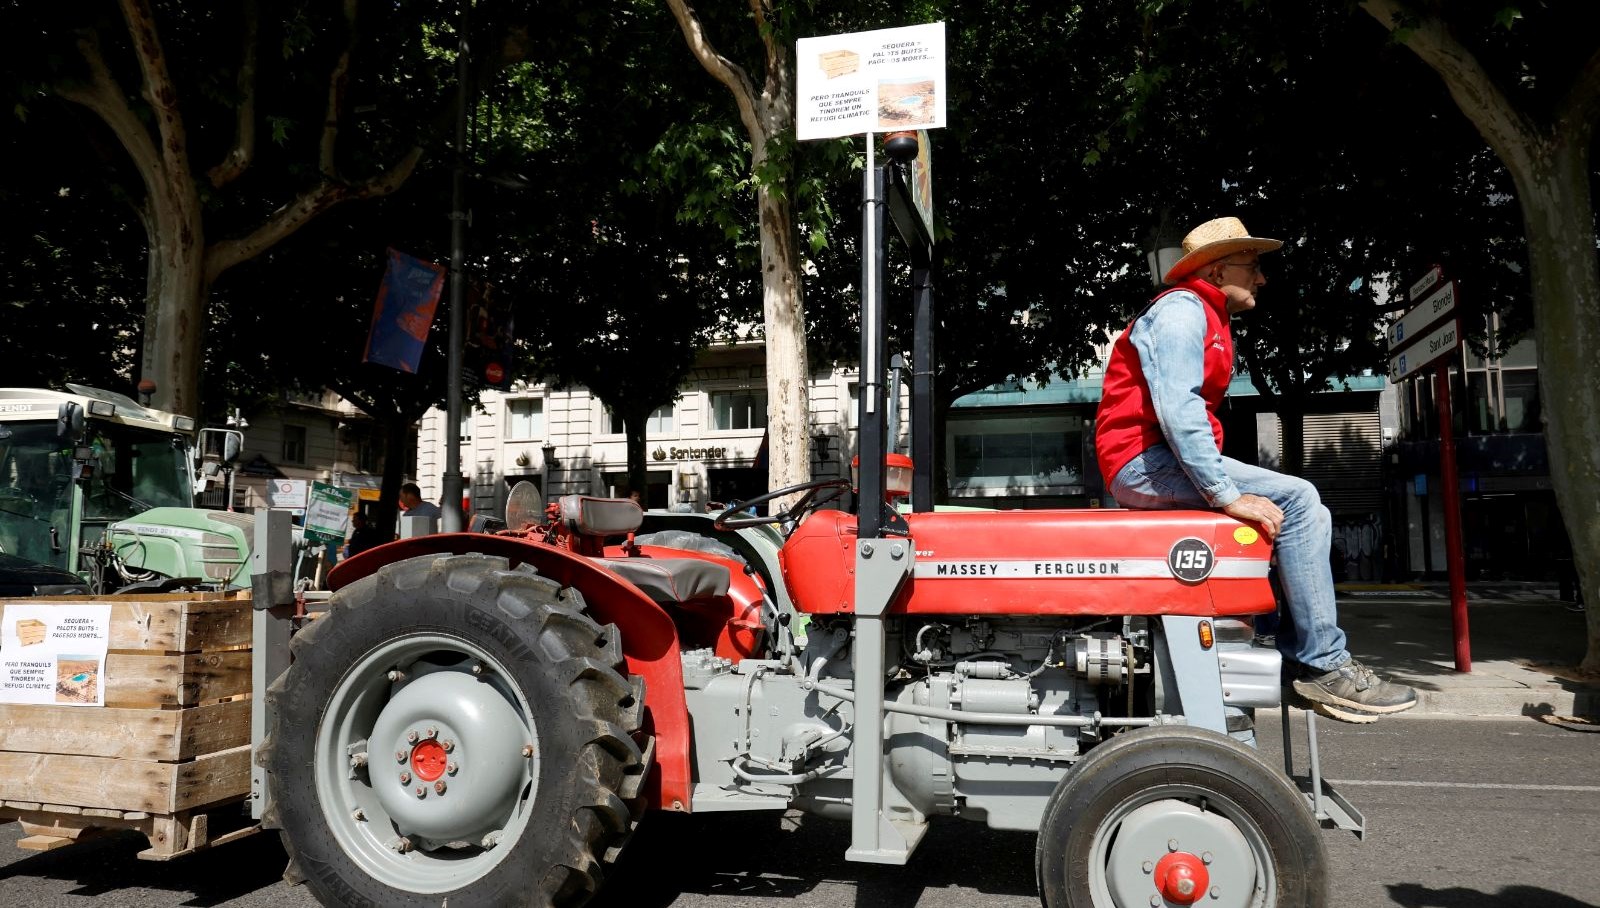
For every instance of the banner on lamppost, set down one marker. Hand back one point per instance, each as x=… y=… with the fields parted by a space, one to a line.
x=407 y=299
x=489 y=334
x=877 y=81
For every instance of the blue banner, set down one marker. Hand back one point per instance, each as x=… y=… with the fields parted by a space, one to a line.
x=407 y=299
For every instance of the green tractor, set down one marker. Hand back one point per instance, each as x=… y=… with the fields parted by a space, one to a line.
x=97 y=495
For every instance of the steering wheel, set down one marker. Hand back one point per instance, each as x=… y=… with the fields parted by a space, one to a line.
x=818 y=492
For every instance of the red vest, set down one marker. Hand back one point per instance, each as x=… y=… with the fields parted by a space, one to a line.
x=1126 y=422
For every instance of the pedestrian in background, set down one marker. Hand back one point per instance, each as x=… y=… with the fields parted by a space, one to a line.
x=411 y=501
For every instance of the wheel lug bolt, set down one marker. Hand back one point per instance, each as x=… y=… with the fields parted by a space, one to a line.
x=1155 y=901
x=358 y=815
x=439 y=787
x=400 y=756
x=1216 y=892
x=412 y=737
x=448 y=745
x=422 y=791
x=451 y=768
x=432 y=733
x=1205 y=857
x=1172 y=844
x=1149 y=867
x=405 y=778
x=527 y=750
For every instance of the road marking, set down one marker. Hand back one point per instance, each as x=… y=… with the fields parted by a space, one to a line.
x=1490 y=785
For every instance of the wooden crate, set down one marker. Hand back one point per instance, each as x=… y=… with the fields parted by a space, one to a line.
x=30 y=631
x=171 y=744
x=837 y=63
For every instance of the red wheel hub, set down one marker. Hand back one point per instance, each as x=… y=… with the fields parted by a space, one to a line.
x=1181 y=878
x=428 y=760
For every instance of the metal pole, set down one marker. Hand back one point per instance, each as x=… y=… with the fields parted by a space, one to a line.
x=1452 y=521
x=922 y=362
x=451 y=520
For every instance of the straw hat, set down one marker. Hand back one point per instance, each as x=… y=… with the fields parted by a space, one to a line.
x=1214 y=240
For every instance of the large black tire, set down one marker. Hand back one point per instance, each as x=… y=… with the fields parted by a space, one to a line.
x=1176 y=769
x=539 y=660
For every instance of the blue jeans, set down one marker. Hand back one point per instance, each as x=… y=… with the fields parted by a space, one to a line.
x=1308 y=628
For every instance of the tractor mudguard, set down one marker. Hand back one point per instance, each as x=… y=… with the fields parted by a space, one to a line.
x=649 y=639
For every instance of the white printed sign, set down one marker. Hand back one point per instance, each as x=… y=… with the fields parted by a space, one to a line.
x=288 y=494
x=54 y=654
x=1440 y=303
x=878 y=81
x=1441 y=341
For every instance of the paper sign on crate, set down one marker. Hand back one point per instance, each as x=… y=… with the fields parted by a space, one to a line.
x=54 y=654
x=878 y=81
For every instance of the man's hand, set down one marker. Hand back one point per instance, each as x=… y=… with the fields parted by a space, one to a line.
x=1259 y=510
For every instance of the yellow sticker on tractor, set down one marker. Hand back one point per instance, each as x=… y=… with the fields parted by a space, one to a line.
x=1245 y=535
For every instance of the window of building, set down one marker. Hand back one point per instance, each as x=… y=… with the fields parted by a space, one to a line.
x=294 y=444
x=525 y=419
x=734 y=410
x=659 y=423
x=369 y=455
x=466 y=425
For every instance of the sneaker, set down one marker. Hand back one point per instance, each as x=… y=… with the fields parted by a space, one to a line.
x=1352 y=693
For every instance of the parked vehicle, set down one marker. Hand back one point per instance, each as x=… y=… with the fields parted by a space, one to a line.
x=483 y=719
x=97 y=493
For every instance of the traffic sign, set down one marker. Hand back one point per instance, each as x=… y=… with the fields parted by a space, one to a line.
x=1424 y=283
x=1438 y=304
x=1440 y=342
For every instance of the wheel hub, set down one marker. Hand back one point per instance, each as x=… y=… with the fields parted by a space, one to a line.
x=1181 y=878
x=1170 y=852
x=461 y=776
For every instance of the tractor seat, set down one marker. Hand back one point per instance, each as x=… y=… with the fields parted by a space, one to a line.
x=670 y=581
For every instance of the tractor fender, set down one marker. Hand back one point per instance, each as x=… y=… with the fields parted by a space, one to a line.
x=649 y=638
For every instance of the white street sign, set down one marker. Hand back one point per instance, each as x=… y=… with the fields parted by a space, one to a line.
x=878 y=81
x=1424 y=282
x=1440 y=342
x=1425 y=313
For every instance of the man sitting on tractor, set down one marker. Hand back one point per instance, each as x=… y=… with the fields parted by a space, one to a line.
x=1159 y=444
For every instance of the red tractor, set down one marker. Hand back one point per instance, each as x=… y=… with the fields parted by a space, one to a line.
x=482 y=720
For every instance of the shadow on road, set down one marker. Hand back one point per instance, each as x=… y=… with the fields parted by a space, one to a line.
x=1416 y=895
x=104 y=867
x=773 y=856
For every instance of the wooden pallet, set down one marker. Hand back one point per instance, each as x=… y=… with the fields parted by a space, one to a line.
x=170 y=746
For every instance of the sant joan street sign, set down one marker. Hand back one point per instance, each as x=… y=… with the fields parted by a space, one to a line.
x=1440 y=342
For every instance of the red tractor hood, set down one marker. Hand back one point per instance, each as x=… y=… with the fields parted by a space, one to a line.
x=1059 y=562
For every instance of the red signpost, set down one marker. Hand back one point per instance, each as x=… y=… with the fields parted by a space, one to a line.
x=1425 y=335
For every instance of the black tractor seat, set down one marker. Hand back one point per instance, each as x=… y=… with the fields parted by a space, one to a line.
x=670 y=581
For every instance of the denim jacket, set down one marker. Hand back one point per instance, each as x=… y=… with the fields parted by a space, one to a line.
x=1170 y=338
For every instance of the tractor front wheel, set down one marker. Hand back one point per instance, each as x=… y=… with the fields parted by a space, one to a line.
x=454 y=731
x=1178 y=816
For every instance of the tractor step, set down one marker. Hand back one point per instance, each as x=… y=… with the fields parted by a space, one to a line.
x=1331 y=809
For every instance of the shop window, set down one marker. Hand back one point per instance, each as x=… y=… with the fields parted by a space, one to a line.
x=1038 y=456
x=1520 y=388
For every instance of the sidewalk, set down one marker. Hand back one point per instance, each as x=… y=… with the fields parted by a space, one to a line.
x=1524 y=643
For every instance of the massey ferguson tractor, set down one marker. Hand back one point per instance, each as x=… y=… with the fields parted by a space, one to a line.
x=483 y=720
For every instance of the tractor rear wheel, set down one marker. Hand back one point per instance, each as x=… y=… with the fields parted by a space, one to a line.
x=1178 y=816
x=454 y=731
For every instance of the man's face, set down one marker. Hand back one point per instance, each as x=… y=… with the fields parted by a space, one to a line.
x=1238 y=276
x=408 y=500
